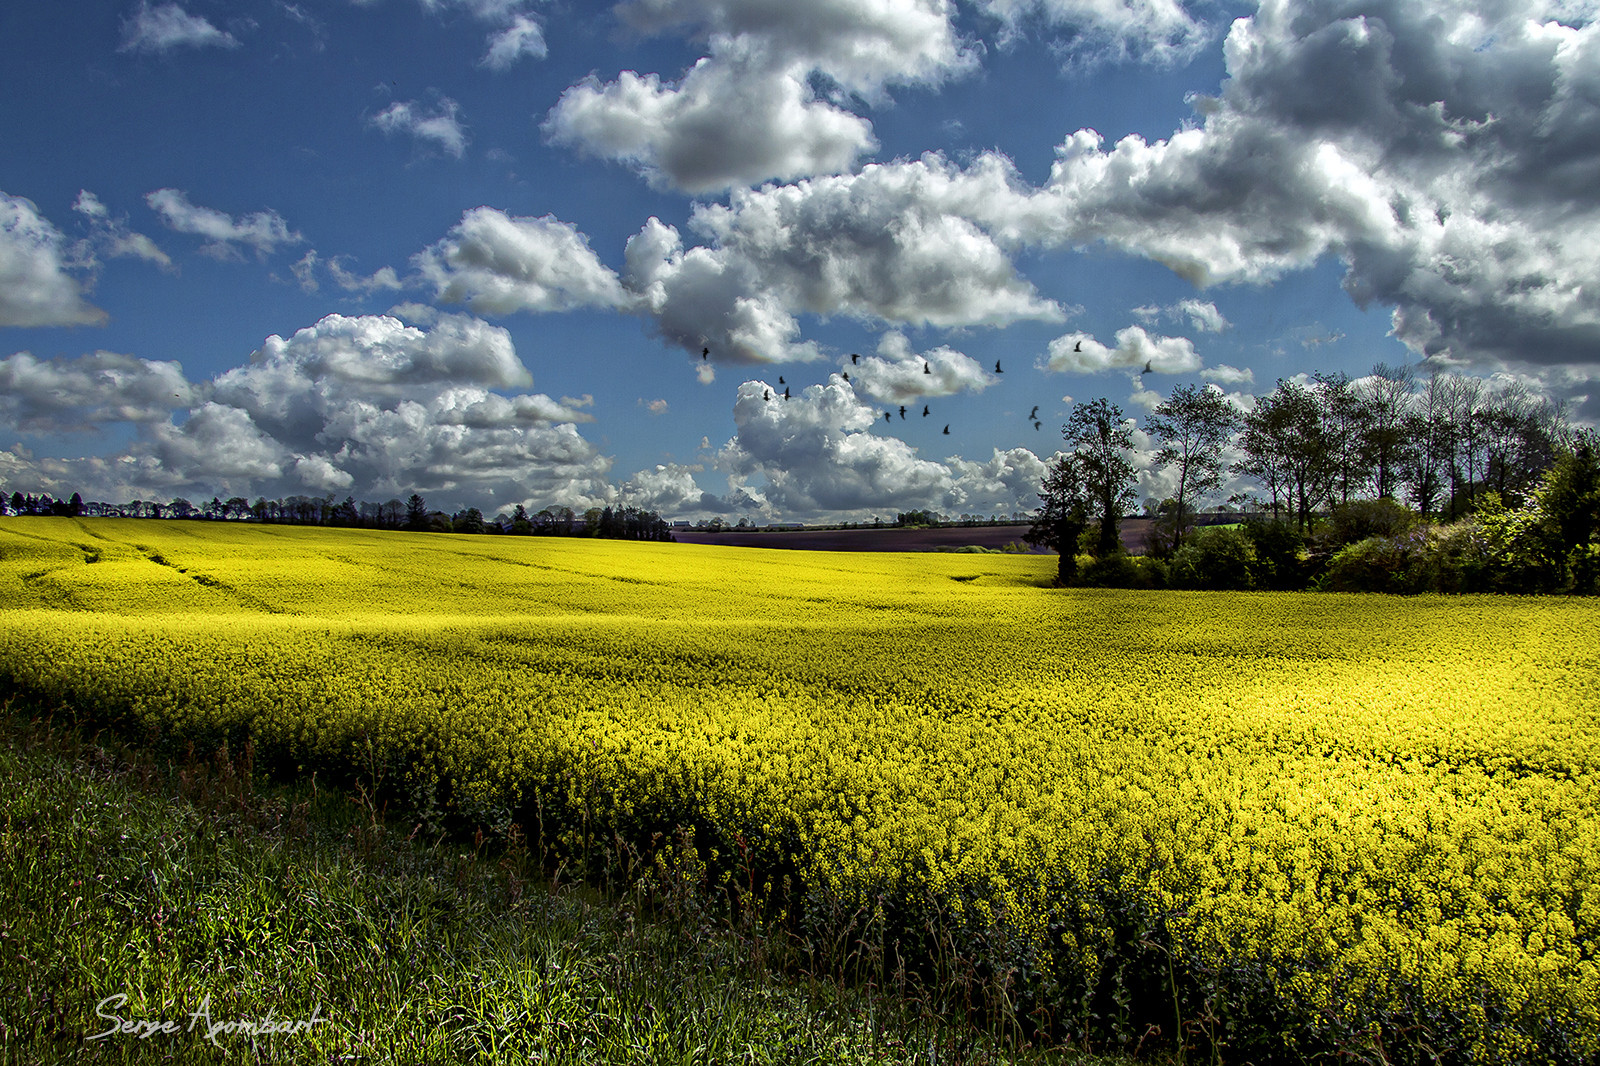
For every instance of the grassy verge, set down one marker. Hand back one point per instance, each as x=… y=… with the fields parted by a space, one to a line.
x=189 y=895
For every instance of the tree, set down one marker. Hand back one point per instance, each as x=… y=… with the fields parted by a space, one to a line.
x=1059 y=522
x=1103 y=442
x=1346 y=419
x=467 y=521
x=416 y=513
x=1522 y=432
x=1193 y=425
x=1423 y=465
x=1569 y=497
x=1462 y=411
x=180 y=507
x=75 y=505
x=1389 y=396
x=1286 y=445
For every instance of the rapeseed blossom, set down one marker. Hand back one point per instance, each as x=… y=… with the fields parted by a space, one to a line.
x=1369 y=809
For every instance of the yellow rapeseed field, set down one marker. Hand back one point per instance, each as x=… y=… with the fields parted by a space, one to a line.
x=1342 y=817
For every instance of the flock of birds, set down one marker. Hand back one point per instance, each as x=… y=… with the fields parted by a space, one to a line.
x=888 y=416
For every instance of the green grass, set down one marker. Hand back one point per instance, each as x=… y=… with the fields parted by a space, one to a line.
x=187 y=884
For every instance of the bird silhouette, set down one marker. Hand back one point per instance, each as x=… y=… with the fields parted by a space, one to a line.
x=902 y=412
x=845 y=374
x=1078 y=347
x=780 y=379
x=1033 y=415
x=947 y=431
x=997 y=369
x=786 y=392
x=924 y=410
x=926 y=369
x=855 y=357
x=1037 y=423
x=705 y=352
x=767 y=395
x=887 y=417
x=1146 y=369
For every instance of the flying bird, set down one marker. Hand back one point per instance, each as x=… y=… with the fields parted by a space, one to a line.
x=1146 y=369
x=924 y=410
x=1078 y=347
x=780 y=379
x=947 y=431
x=997 y=369
x=1037 y=424
x=767 y=395
x=845 y=374
x=887 y=417
x=705 y=352
x=786 y=392
x=1033 y=415
x=855 y=357
x=926 y=369
x=902 y=411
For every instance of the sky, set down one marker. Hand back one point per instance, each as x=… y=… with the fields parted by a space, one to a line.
x=783 y=260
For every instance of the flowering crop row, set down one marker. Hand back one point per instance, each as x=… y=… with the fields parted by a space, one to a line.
x=1362 y=811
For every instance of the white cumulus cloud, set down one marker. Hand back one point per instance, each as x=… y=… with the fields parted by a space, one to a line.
x=110 y=235
x=750 y=109
x=439 y=126
x=523 y=37
x=36 y=286
x=1080 y=353
x=264 y=231
x=899 y=375
x=498 y=264
x=1445 y=152
x=373 y=407
x=1093 y=32
x=168 y=26
x=61 y=394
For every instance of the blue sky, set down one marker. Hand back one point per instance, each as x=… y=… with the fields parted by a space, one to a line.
x=475 y=248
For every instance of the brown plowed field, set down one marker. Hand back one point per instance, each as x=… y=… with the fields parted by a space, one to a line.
x=863 y=540
x=892 y=540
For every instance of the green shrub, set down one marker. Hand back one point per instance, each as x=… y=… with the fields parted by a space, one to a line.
x=1221 y=557
x=1114 y=571
x=1278 y=548
x=1122 y=571
x=1361 y=520
x=1458 y=558
x=1380 y=564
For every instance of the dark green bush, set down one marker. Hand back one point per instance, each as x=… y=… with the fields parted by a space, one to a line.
x=1361 y=520
x=1398 y=564
x=1221 y=557
x=1122 y=571
x=1278 y=548
x=1115 y=571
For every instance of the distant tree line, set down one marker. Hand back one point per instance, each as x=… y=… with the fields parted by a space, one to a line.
x=621 y=523
x=1387 y=483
